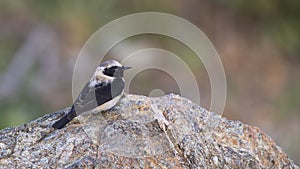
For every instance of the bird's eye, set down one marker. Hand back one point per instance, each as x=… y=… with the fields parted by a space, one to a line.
x=110 y=71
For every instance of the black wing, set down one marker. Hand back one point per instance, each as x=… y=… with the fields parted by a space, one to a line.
x=92 y=97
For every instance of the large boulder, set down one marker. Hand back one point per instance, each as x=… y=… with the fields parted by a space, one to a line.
x=141 y=132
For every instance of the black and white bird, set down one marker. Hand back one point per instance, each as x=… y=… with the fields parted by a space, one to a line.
x=101 y=93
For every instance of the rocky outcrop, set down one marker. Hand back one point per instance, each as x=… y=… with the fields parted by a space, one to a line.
x=141 y=132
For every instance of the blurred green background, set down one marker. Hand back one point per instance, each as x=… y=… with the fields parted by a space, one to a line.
x=258 y=42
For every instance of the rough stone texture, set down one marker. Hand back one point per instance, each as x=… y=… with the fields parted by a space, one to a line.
x=141 y=132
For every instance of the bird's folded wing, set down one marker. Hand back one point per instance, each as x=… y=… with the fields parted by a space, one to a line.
x=92 y=97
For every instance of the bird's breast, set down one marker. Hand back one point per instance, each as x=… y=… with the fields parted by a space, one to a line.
x=108 y=105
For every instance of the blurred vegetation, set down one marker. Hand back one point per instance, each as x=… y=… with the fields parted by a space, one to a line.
x=279 y=21
x=258 y=42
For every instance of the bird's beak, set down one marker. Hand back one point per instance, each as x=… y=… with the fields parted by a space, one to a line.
x=125 y=67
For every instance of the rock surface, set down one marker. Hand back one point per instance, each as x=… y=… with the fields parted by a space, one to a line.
x=141 y=132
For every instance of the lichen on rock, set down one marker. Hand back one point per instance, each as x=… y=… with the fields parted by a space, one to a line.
x=141 y=132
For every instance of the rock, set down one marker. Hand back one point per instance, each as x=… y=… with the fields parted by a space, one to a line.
x=141 y=132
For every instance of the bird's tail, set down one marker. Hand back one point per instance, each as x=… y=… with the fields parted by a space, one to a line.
x=65 y=119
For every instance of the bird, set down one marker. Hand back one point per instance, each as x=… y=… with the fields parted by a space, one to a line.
x=101 y=93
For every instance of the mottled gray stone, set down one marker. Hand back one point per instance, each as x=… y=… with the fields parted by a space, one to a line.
x=141 y=132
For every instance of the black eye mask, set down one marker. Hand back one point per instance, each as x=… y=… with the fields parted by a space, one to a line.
x=110 y=71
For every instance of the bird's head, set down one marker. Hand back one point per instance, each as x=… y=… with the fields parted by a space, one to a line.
x=110 y=69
